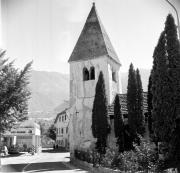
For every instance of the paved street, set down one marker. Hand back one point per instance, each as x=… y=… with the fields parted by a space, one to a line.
x=48 y=161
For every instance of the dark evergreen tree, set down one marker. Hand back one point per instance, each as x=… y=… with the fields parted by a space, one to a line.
x=14 y=93
x=51 y=133
x=160 y=90
x=100 y=126
x=131 y=100
x=173 y=54
x=139 y=105
x=174 y=154
x=118 y=124
x=166 y=82
x=149 y=102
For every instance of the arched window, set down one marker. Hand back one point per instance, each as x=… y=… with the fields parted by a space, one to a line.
x=92 y=73
x=114 y=76
x=85 y=74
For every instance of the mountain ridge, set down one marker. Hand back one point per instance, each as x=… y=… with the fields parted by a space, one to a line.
x=50 y=91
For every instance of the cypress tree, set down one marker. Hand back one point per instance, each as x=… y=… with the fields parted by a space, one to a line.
x=149 y=102
x=100 y=126
x=131 y=99
x=173 y=54
x=139 y=105
x=166 y=82
x=118 y=124
x=174 y=153
x=160 y=90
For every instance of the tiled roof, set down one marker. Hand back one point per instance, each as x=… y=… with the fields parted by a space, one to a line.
x=57 y=117
x=123 y=102
x=93 y=41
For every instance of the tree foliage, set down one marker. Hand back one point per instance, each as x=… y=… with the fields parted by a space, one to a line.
x=118 y=124
x=14 y=93
x=131 y=99
x=139 y=104
x=100 y=126
x=51 y=133
x=44 y=125
x=160 y=89
x=166 y=82
x=173 y=55
x=141 y=159
x=149 y=103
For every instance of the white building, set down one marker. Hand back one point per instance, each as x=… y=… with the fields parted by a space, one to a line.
x=62 y=132
x=24 y=135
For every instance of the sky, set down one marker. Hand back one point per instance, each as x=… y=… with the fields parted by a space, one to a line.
x=46 y=31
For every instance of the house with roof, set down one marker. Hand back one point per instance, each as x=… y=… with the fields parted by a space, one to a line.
x=123 y=103
x=61 y=124
x=24 y=135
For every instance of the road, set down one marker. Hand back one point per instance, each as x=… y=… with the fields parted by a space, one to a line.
x=48 y=162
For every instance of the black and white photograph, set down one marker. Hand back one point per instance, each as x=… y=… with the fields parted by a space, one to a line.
x=90 y=86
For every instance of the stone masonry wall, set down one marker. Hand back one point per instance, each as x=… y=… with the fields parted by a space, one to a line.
x=82 y=97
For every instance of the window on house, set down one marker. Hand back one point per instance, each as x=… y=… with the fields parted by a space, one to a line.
x=62 y=118
x=65 y=118
x=92 y=73
x=114 y=76
x=59 y=118
x=62 y=130
x=85 y=74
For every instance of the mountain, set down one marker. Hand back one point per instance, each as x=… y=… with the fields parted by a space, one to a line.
x=50 y=92
x=62 y=106
x=49 y=89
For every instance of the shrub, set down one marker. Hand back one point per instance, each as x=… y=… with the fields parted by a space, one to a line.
x=143 y=158
x=108 y=158
x=88 y=156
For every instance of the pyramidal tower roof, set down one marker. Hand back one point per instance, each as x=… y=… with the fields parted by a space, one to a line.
x=93 y=41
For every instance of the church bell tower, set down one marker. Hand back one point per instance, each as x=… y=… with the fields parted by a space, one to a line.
x=92 y=53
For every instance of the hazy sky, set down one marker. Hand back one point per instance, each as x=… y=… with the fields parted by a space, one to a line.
x=46 y=30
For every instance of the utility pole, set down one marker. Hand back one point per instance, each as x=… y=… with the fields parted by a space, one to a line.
x=178 y=23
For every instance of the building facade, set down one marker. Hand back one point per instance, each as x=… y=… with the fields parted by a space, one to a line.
x=62 y=129
x=24 y=136
x=92 y=53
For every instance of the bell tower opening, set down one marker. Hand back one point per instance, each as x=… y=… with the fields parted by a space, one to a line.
x=114 y=76
x=85 y=74
x=92 y=73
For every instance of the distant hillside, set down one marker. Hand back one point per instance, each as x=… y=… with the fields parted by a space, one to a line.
x=50 y=92
x=49 y=89
x=62 y=106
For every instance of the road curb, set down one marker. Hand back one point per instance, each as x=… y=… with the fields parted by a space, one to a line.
x=90 y=168
x=24 y=169
x=72 y=166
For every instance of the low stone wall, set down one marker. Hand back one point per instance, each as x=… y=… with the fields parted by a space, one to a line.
x=89 y=167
